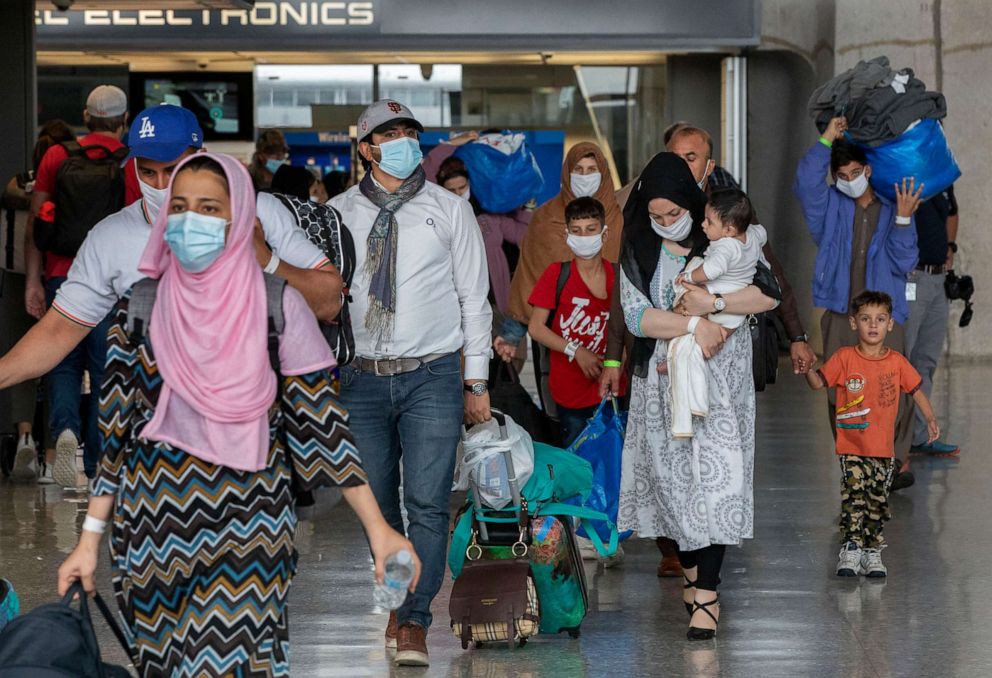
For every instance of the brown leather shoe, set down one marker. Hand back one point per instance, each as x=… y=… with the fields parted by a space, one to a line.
x=391 y=631
x=411 y=645
x=670 y=567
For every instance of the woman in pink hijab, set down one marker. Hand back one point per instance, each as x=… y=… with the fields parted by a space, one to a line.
x=202 y=439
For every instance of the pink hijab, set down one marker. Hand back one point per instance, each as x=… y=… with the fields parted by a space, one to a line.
x=209 y=335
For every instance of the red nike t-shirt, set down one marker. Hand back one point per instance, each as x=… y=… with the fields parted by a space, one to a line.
x=57 y=265
x=581 y=317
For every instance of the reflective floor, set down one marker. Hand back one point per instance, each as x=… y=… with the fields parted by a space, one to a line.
x=784 y=612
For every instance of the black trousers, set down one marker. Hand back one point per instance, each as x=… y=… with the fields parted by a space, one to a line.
x=708 y=560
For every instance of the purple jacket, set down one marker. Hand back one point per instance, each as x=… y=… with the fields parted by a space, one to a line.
x=892 y=253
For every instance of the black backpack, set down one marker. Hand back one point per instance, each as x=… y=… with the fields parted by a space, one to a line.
x=86 y=191
x=764 y=332
x=324 y=228
x=58 y=641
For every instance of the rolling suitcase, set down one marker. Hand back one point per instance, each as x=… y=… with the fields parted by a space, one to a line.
x=496 y=599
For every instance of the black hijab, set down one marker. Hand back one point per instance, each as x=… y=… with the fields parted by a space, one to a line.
x=665 y=176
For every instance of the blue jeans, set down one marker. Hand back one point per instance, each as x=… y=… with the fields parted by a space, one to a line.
x=64 y=386
x=573 y=422
x=416 y=416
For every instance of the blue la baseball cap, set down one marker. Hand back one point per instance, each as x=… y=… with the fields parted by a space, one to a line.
x=163 y=132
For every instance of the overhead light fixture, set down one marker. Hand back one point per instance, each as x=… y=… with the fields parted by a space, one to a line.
x=63 y=5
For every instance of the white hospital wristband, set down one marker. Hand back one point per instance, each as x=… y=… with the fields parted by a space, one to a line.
x=571 y=348
x=693 y=322
x=91 y=524
x=904 y=221
x=273 y=264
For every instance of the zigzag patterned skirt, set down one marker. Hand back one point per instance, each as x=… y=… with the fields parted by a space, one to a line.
x=203 y=559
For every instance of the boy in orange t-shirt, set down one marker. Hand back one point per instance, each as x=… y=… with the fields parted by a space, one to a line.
x=868 y=378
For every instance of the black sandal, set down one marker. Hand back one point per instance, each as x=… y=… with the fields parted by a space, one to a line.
x=687 y=585
x=696 y=633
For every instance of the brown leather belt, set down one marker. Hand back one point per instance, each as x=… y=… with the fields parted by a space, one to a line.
x=392 y=366
x=932 y=269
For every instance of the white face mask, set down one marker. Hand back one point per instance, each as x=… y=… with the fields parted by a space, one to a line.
x=154 y=198
x=677 y=231
x=853 y=189
x=584 y=185
x=585 y=246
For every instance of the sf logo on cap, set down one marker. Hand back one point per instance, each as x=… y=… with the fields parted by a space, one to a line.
x=394 y=107
x=147 y=129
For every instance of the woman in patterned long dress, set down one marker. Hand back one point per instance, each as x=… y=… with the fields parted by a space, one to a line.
x=199 y=437
x=698 y=491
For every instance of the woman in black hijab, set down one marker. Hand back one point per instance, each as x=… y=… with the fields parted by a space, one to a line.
x=696 y=491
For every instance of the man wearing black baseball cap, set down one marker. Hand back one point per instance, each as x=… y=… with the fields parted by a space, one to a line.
x=106 y=265
x=419 y=308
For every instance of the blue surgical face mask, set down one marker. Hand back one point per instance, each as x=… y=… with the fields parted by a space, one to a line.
x=196 y=239
x=274 y=165
x=400 y=157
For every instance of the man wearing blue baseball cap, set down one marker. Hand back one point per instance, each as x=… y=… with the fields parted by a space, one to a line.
x=106 y=265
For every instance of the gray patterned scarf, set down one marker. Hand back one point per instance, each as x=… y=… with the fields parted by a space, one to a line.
x=380 y=264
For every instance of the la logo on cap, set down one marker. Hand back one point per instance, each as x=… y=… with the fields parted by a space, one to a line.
x=147 y=129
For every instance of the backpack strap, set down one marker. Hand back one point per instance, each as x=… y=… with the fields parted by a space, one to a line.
x=139 y=312
x=563 y=274
x=139 y=309
x=72 y=147
x=274 y=289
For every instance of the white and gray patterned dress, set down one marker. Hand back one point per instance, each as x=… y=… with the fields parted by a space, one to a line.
x=696 y=491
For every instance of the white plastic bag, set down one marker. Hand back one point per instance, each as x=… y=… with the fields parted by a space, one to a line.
x=483 y=463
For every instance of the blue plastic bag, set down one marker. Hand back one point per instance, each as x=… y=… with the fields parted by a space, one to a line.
x=601 y=444
x=501 y=182
x=919 y=152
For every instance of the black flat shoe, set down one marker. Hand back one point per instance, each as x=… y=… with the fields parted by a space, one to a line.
x=696 y=633
x=687 y=585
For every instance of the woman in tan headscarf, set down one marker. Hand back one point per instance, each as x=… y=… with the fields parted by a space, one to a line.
x=544 y=242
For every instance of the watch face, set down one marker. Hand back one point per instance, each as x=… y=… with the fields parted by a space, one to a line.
x=719 y=303
x=479 y=389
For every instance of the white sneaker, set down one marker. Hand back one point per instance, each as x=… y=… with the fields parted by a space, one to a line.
x=64 y=468
x=614 y=560
x=25 y=460
x=871 y=563
x=45 y=477
x=586 y=549
x=849 y=560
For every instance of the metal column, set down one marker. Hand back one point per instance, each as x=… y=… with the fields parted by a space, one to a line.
x=734 y=118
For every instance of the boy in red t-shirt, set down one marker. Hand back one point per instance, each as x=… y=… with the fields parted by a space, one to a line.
x=576 y=335
x=868 y=378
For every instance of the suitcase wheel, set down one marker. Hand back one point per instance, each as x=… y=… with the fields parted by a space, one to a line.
x=574 y=633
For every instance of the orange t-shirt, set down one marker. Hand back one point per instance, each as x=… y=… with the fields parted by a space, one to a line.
x=868 y=398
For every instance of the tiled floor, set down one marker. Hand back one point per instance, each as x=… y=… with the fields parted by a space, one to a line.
x=784 y=613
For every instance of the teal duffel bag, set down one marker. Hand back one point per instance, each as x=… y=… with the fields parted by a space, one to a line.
x=556 y=563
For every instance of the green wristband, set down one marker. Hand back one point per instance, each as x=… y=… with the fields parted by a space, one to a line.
x=612 y=363
x=827 y=143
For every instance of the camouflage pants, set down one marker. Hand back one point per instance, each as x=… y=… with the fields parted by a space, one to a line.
x=864 y=499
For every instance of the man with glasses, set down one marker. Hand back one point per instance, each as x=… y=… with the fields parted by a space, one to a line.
x=864 y=242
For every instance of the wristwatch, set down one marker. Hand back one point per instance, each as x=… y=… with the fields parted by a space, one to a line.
x=719 y=303
x=952 y=246
x=800 y=338
x=479 y=388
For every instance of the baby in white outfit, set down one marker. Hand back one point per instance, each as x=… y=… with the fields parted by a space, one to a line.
x=728 y=265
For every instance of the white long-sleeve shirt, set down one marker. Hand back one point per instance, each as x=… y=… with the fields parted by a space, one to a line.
x=442 y=279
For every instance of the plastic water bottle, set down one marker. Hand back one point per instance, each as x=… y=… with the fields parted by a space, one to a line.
x=391 y=593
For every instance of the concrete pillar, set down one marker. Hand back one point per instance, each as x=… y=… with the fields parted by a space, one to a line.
x=17 y=82
x=17 y=124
